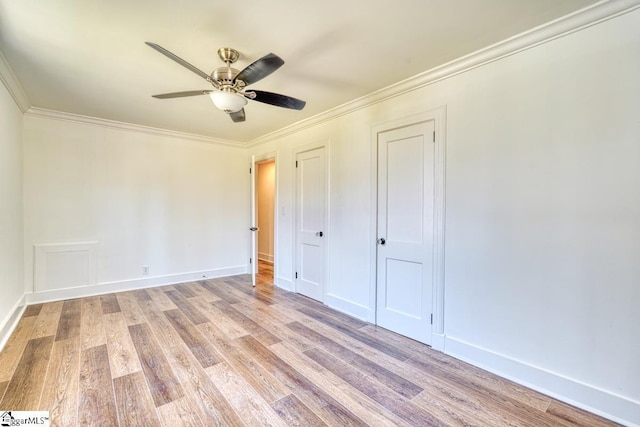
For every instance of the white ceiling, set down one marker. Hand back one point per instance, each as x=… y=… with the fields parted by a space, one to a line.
x=88 y=57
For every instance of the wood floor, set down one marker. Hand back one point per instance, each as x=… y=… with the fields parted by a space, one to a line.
x=219 y=352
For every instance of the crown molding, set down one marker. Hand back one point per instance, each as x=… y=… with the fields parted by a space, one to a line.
x=568 y=24
x=113 y=124
x=13 y=85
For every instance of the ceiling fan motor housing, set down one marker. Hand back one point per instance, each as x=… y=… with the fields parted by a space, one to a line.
x=224 y=74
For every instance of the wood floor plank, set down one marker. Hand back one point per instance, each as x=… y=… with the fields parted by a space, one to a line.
x=453 y=414
x=123 y=358
x=453 y=396
x=205 y=294
x=290 y=312
x=130 y=309
x=296 y=413
x=24 y=389
x=328 y=320
x=47 y=320
x=501 y=385
x=204 y=396
x=483 y=411
x=179 y=413
x=327 y=408
x=161 y=299
x=503 y=402
x=577 y=416
x=141 y=295
x=253 y=372
x=185 y=306
x=493 y=382
x=70 y=316
x=32 y=310
x=345 y=319
x=404 y=409
x=247 y=324
x=162 y=382
x=275 y=322
x=395 y=382
x=109 y=304
x=162 y=329
x=244 y=399
x=230 y=328
x=217 y=288
x=91 y=326
x=60 y=389
x=134 y=402
x=197 y=289
x=185 y=290
x=13 y=349
x=256 y=293
x=201 y=349
x=96 y=403
x=3 y=388
x=365 y=408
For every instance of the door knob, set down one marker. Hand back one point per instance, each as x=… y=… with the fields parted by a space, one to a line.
x=254 y=229
x=381 y=241
x=319 y=234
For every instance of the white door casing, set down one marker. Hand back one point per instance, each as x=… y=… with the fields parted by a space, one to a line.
x=311 y=202
x=405 y=230
x=253 y=228
x=253 y=269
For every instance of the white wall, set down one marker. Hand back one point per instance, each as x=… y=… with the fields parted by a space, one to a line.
x=179 y=206
x=266 y=175
x=542 y=213
x=11 y=281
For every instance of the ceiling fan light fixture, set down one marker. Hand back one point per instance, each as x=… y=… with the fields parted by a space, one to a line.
x=229 y=102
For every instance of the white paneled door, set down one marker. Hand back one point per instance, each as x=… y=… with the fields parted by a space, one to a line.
x=311 y=195
x=405 y=230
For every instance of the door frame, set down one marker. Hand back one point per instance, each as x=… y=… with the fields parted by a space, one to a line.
x=438 y=116
x=260 y=158
x=298 y=149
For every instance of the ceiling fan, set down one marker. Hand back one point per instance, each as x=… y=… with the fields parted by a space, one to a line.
x=228 y=93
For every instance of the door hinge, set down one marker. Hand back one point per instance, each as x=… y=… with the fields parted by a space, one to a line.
x=296 y=163
x=432 y=318
x=249 y=171
x=434 y=136
x=250 y=260
x=296 y=274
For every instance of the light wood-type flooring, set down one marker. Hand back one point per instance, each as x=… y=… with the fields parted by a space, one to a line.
x=219 y=352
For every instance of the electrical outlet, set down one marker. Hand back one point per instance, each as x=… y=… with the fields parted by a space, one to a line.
x=145 y=270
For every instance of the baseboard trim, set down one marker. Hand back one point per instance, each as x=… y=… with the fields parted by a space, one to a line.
x=10 y=323
x=598 y=401
x=285 y=284
x=438 y=341
x=347 y=307
x=131 y=284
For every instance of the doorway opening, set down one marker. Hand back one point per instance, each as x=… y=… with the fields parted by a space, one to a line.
x=265 y=220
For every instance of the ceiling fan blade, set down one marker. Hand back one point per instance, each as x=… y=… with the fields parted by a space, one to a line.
x=182 y=94
x=180 y=61
x=260 y=69
x=278 y=100
x=238 y=116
